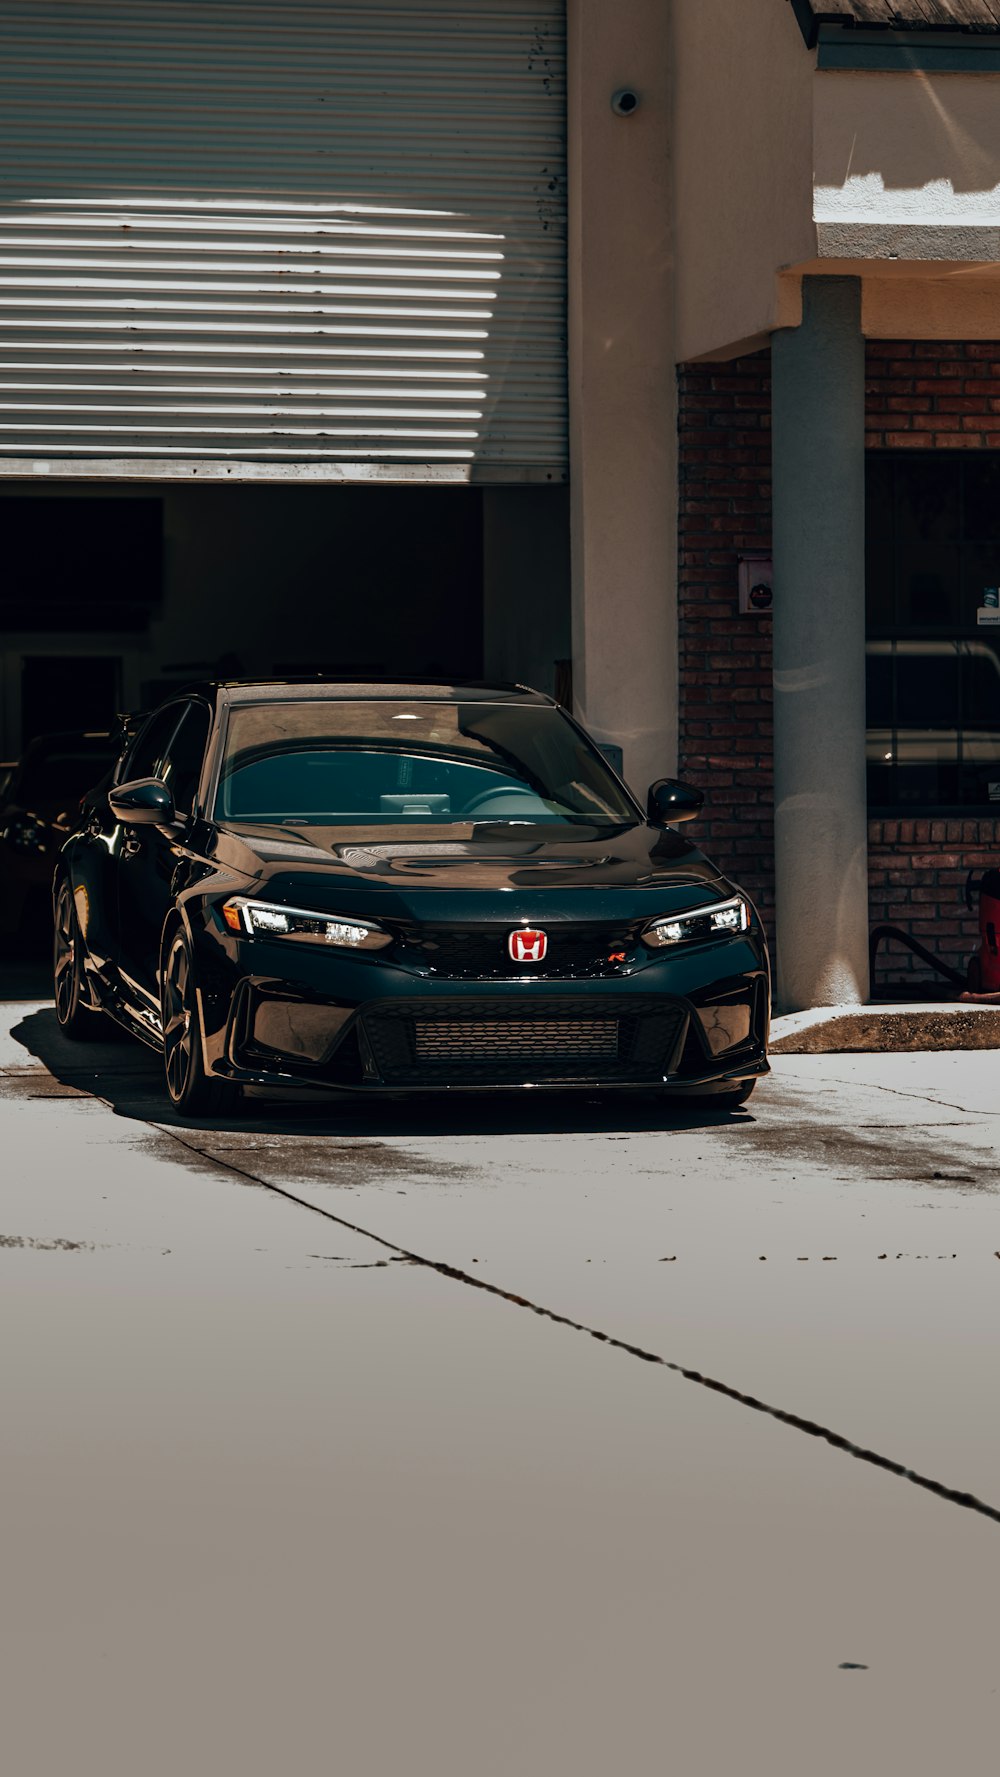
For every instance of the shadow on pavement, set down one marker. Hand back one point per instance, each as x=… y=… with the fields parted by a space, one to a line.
x=129 y=1077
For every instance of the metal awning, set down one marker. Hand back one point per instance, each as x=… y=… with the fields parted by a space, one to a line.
x=323 y=239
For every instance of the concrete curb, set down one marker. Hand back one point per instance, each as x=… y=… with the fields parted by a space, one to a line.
x=885 y=1029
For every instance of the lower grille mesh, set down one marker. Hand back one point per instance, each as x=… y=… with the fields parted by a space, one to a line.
x=484 y=1043
x=556 y=1038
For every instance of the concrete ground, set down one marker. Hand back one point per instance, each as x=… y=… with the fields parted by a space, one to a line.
x=332 y=1441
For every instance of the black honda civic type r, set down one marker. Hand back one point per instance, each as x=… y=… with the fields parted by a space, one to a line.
x=401 y=888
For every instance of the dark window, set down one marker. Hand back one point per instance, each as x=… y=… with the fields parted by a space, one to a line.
x=151 y=743
x=181 y=769
x=933 y=570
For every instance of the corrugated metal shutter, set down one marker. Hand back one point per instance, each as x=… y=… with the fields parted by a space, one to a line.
x=321 y=235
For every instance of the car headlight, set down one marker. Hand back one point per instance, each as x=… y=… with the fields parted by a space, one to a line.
x=264 y=919
x=715 y=921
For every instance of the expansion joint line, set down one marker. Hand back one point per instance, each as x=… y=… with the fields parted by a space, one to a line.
x=810 y=1427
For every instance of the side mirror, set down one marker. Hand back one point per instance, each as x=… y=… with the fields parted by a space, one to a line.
x=670 y=801
x=144 y=803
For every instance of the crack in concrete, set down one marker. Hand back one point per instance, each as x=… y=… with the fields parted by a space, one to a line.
x=934 y=1104
x=809 y=1427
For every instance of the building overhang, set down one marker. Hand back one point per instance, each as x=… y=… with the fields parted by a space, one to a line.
x=902 y=52
x=906 y=168
x=896 y=28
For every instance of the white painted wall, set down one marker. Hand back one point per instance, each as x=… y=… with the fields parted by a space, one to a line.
x=907 y=163
x=742 y=84
x=622 y=384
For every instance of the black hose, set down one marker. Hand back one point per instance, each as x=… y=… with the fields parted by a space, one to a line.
x=956 y=977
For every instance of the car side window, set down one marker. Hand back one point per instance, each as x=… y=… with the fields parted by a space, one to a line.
x=151 y=743
x=181 y=768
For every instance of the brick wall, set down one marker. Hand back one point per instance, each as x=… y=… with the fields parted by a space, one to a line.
x=725 y=659
x=933 y=394
x=921 y=394
x=917 y=872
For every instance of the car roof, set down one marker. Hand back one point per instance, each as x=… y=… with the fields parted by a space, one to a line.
x=348 y=690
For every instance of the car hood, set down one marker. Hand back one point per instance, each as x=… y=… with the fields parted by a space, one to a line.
x=578 y=871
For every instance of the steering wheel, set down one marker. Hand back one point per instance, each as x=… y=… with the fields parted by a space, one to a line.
x=517 y=792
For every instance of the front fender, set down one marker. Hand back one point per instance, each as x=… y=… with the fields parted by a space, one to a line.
x=87 y=863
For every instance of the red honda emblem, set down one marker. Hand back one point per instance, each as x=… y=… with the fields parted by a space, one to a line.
x=527 y=947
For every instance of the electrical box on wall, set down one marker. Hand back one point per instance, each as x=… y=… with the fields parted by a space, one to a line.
x=756 y=584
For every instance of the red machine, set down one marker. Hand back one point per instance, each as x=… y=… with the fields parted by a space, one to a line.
x=984 y=967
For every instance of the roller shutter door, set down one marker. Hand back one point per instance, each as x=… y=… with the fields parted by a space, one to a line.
x=263 y=239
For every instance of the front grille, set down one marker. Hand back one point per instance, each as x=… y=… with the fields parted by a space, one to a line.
x=480 y=953
x=568 y=1039
x=486 y=1043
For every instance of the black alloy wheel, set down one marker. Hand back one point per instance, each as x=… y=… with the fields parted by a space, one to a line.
x=191 y=1090
x=73 y=1014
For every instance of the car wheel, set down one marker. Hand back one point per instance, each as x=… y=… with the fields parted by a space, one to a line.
x=191 y=1090
x=74 y=1016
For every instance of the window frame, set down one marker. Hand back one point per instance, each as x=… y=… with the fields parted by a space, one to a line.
x=188 y=706
x=894 y=631
x=127 y=773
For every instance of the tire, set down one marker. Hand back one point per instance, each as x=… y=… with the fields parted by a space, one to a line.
x=190 y=1089
x=74 y=1015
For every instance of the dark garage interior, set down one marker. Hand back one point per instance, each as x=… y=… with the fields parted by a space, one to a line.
x=110 y=598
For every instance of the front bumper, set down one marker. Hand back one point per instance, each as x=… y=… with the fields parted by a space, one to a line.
x=697 y=1021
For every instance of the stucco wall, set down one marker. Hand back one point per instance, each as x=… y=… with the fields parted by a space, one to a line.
x=907 y=164
x=743 y=165
x=622 y=384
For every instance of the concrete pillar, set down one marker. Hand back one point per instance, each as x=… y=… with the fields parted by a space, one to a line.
x=622 y=384
x=821 y=848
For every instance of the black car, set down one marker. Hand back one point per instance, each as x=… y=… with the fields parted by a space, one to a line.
x=39 y=807
x=401 y=888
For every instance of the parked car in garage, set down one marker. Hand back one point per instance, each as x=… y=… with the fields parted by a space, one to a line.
x=39 y=808
x=402 y=889
x=933 y=734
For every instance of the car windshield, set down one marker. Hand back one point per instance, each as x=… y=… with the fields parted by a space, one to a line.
x=392 y=762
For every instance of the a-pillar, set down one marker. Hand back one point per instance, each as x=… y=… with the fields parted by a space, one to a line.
x=622 y=384
x=821 y=857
